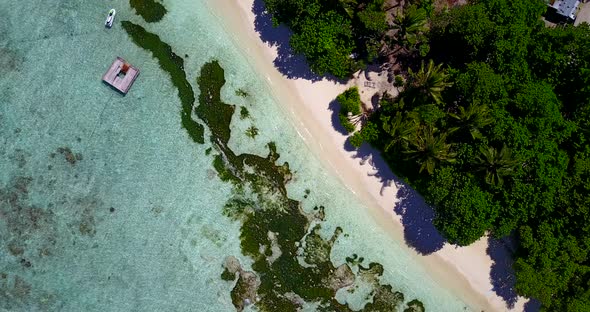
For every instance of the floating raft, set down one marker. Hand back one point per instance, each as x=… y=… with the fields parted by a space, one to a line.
x=121 y=75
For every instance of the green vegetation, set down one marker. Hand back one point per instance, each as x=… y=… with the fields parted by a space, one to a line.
x=227 y=276
x=216 y=115
x=350 y=104
x=348 y=126
x=174 y=66
x=266 y=208
x=492 y=127
x=242 y=93
x=244 y=113
x=222 y=172
x=350 y=101
x=252 y=132
x=399 y=81
x=415 y=306
x=368 y=133
x=410 y=27
x=336 y=37
x=351 y=114
x=342 y=36
x=426 y=85
x=151 y=10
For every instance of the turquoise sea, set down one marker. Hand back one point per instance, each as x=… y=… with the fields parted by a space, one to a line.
x=106 y=204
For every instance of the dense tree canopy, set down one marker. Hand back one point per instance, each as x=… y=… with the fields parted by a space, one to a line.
x=337 y=37
x=497 y=140
x=492 y=124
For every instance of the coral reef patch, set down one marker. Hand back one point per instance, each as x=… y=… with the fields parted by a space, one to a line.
x=291 y=261
x=152 y=11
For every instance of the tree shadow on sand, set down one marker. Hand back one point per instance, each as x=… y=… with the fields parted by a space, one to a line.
x=532 y=305
x=416 y=216
x=334 y=107
x=502 y=274
x=420 y=233
x=288 y=63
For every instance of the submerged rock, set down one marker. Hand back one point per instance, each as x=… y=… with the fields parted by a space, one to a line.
x=232 y=264
x=295 y=298
x=342 y=277
x=26 y=227
x=70 y=157
x=244 y=293
x=275 y=248
x=415 y=306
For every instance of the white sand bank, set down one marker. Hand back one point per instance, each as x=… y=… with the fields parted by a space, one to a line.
x=464 y=271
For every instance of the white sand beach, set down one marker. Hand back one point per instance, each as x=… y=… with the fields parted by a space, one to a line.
x=464 y=271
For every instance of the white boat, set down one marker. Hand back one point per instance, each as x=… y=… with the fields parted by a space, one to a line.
x=110 y=18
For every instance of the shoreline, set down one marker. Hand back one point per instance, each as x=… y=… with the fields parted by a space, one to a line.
x=464 y=271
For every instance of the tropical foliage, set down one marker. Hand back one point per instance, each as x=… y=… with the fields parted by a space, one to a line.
x=429 y=148
x=350 y=109
x=410 y=26
x=427 y=84
x=350 y=101
x=492 y=127
x=492 y=124
x=336 y=37
x=496 y=164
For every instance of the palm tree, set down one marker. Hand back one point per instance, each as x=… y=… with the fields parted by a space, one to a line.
x=412 y=21
x=473 y=118
x=407 y=30
x=428 y=83
x=496 y=164
x=427 y=5
x=361 y=118
x=399 y=129
x=349 y=6
x=409 y=27
x=429 y=149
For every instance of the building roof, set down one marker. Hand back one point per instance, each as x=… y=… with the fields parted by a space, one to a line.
x=567 y=8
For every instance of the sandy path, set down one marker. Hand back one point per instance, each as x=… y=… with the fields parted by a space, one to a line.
x=464 y=271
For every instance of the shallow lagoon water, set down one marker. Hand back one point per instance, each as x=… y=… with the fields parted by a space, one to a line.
x=107 y=204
